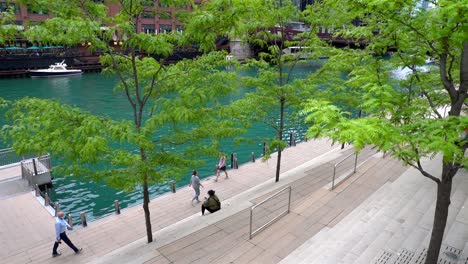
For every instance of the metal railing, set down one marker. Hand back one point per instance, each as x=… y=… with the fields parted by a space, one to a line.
x=253 y=233
x=8 y=157
x=341 y=161
x=36 y=170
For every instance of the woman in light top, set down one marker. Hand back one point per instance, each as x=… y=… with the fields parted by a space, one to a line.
x=221 y=166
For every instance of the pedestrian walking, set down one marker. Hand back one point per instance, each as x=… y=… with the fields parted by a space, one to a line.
x=221 y=166
x=61 y=227
x=195 y=184
x=212 y=203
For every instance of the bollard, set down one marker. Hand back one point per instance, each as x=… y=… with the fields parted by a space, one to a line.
x=264 y=148
x=252 y=157
x=117 y=207
x=70 y=220
x=172 y=186
x=235 y=164
x=83 y=219
x=305 y=138
x=292 y=139
x=46 y=199
x=38 y=192
x=57 y=208
x=232 y=160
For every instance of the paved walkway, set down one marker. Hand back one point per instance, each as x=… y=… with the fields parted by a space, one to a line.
x=111 y=233
x=223 y=237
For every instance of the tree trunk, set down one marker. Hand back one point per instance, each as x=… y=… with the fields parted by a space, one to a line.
x=146 y=201
x=280 y=137
x=444 y=189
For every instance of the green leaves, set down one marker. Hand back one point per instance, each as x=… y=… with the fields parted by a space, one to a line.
x=404 y=113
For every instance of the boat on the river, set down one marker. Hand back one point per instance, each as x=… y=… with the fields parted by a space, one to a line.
x=58 y=69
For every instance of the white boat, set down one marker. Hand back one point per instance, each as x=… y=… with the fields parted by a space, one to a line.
x=302 y=52
x=55 y=70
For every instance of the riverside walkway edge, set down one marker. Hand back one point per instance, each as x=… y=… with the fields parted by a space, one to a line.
x=113 y=232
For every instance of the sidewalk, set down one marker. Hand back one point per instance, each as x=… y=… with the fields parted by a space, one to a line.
x=223 y=237
x=113 y=232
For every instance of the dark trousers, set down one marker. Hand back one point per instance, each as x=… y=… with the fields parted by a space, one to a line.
x=64 y=238
x=203 y=208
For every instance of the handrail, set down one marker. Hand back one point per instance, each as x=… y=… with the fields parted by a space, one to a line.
x=341 y=161
x=251 y=234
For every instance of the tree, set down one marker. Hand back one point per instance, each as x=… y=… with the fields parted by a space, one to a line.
x=8 y=29
x=276 y=92
x=174 y=107
x=405 y=116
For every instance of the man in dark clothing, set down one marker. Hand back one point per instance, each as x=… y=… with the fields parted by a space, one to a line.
x=212 y=204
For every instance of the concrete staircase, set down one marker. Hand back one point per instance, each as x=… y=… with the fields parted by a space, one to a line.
x=393 y=226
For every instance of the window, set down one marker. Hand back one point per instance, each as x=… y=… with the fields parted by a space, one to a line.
x=37 y=10
x=147 y=14
x=4 y=7
x=148 y=28
x=163 y=5
x=165 y=28
x=179 y=28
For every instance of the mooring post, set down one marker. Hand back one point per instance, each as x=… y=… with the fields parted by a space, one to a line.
x=83 y=219
x=57 y=208
x=46 y=199
x=292 y=139
x=264 y=148
x=38 y=192
x=252 y=157
x=173 y=186
x=117 y=207
x=232 y=160
x=235 y=164
x=70 y=220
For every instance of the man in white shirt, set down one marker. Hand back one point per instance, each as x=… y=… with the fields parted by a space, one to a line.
x=61 y=227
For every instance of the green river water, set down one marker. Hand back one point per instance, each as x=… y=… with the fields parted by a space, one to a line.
x=94 y=92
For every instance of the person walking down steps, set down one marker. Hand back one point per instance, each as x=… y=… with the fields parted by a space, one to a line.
x=195 y=184
x=61 y=227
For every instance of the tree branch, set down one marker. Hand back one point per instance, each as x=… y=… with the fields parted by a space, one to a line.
x=420 y=169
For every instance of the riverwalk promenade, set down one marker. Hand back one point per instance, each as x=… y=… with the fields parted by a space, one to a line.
x=182 y=235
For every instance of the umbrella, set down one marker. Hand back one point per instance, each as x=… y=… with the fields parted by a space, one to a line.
x=33 y=48
x=13 y=48
x=57 y=47
x=47 y=47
